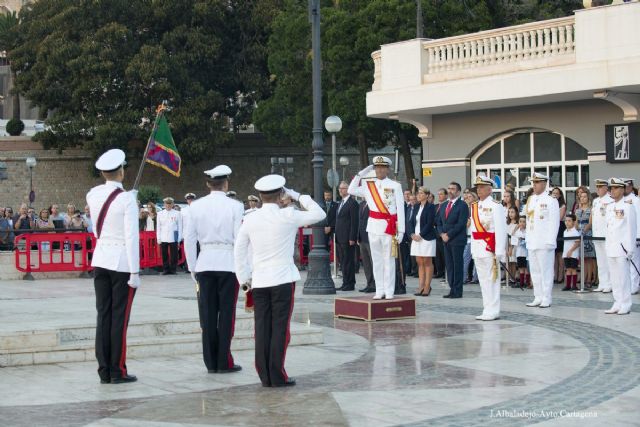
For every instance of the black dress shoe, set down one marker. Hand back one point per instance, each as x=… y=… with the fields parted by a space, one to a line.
x=234 y=368
x=362 y=290
x=125 y=379
x=105 y=380
x=289 y=383
x=369 y=290
x=455 y=296
x=348 y=288
x=447 y=296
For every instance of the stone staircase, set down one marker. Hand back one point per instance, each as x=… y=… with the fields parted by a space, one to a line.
x=144 y=339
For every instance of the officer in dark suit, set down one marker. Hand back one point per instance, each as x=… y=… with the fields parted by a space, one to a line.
x=365 y=250
x=439 y=266
x=330 y=207
x=347 y=237
x=452 y=227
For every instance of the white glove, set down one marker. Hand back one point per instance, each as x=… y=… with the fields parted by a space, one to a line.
x=193 y=276
x=134 y=193
x=365 y=171
x=134 y=280
x=292 y=193
x=400 y=236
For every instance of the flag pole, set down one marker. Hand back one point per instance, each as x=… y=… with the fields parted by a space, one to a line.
x=159 y=112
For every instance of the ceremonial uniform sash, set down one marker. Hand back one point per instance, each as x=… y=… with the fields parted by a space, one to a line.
x=481 y=233
x=383 y=212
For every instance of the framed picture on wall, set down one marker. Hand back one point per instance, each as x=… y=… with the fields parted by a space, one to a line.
x=622 y=142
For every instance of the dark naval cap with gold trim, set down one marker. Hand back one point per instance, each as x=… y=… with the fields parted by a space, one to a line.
x=381 y=161
x=270 y=183
x=111 y=161
x=601 y=182
x=616 y=182
x=484 y=180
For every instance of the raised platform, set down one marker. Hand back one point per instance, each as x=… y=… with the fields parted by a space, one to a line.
x=145 y=339
x=370 y=310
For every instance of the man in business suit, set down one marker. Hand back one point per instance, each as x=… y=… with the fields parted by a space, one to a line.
x=452 y=227
x=365 y=250
x=347 y=236
x=330 y=207
x=439 y=259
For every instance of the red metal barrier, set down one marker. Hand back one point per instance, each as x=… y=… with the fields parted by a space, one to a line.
x=302 y=233
x=150 y=253
x=55 y=252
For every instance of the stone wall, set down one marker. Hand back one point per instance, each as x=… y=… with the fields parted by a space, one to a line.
x=63 y=178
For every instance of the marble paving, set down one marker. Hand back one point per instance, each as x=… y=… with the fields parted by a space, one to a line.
x=569 y=365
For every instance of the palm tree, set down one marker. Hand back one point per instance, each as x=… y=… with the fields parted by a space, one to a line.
x=8 y=23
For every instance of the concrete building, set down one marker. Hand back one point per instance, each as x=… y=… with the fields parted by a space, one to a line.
x=560 y=96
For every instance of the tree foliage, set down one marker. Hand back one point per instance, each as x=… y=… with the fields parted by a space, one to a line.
x=101 y=67
x=351 y=31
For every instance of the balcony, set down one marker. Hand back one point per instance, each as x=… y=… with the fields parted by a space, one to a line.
x=595 y=53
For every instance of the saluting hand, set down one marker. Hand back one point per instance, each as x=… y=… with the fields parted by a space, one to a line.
x=365 y=171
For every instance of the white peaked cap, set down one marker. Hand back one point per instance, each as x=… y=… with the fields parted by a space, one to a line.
x=111 y=160
x=218 y=171
x=270 y=183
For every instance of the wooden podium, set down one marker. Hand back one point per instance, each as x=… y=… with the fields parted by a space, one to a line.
x=370 y=310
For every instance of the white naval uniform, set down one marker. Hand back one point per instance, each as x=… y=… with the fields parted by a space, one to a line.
x=384 y=266
x=250 y=210
x=621 y=232
x=271 y=231
x=184 y=218
x=168 y=223
x=543 y=220
x=491 y=215
x=118 y=248
x=635 y=277
x=599 y=229
x=216 y=233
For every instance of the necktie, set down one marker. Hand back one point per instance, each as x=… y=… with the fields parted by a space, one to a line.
x=341 y=204
x=446 y=211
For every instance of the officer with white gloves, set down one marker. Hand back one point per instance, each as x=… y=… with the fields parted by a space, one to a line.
x=271 y=231
x=619 y=244
x=386 y=221
x=543 y=220
x=116 y=260
x=598 y=221
x=214 y=221
x=631 y=198
x=488 y=246
x=169 y=234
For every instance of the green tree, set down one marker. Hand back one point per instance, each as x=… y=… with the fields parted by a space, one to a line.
x=8 y=33
x=101 y=67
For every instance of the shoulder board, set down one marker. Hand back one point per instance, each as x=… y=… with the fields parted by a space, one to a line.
x=475 y=203
x=629 y=201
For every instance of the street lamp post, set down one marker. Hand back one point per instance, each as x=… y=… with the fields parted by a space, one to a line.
x=333 y=124
x=344 y=162
x=319 y=280
x=31 y=163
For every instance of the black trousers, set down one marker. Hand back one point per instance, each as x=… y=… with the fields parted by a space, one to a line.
x=217 y=309
x=169 y=256
x=272 y=311
x=347 y=264
x=455 y=267
x=439 y=259
x=405 y=249
x=367 y=264
x=113 y=303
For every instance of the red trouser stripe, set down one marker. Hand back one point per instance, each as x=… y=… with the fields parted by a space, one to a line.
x=233 y=324
x=123 y=354
x=288 y=335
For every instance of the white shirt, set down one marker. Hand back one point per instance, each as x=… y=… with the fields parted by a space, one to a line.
x=390 y=192
x=250 y=210
x=621 y=229
x=632 y=199
x=599 y=215
x=543 y=221
x=214 y=221
x=518 y=240
x=184 y=217
x=271 y=231
x=573 y=232
x=118 y=248
x=491 y=216
x=169 y=222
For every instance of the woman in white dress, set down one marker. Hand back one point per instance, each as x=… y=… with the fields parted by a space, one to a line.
x=423 y=240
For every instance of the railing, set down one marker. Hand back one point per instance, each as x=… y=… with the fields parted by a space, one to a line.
x=534 y=45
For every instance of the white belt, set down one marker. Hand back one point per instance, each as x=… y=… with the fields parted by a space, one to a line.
x=214 y=245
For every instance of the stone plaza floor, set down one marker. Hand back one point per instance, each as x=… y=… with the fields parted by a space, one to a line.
x=568 y=365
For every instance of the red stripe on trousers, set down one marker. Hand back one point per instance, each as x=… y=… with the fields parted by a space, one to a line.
x=233 y=324
x=127 y=312
x=288 y=335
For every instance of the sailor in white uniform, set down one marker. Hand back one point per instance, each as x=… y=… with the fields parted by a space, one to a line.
x=184 y=213
x=543 y=220
x=214 y=221
x=619 y=244
x=631 y=198
x=386 y=221
x=599 y=230
x=254 y=201
x=116 y=261
x=488 y=246
x=169 y=234
x=271 y=232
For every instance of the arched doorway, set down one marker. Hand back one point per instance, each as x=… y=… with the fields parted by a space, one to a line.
x=512 y=157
